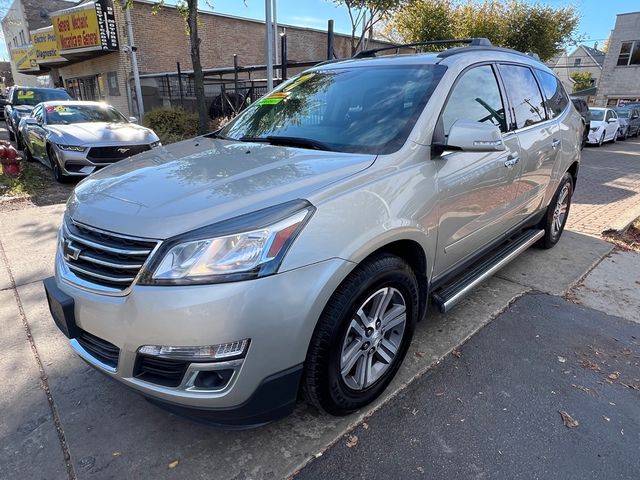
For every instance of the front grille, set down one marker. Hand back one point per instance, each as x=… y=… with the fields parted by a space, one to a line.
x=100 y=349
x=160 y=371
x=114 y=154
x=105 y=259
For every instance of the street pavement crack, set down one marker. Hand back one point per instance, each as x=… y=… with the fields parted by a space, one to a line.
x=43 y=376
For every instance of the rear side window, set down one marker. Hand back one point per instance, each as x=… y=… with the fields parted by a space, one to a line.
x=524 y=95
x=475 y=97
x=555 y=98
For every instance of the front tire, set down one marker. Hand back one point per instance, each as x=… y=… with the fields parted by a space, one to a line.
x=55 y=166
x=557 y=213
x=362 y=336
x=601 y=141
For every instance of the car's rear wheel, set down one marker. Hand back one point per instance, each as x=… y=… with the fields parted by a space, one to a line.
x=362 y=336
x=557 y=213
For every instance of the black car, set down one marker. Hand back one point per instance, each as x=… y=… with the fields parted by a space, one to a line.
x=583 y=109
x=629 y=117
x=21 y=100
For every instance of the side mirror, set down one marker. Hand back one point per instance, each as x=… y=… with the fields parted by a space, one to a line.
x=470 y=136
x=133 y=119
x=30 y=121
x=633 y=117
x=611 y=120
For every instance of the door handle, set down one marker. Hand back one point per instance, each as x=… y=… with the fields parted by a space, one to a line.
x=512 y=160
x=555 y=143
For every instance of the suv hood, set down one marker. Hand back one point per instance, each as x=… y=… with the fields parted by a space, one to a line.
x=171 y=190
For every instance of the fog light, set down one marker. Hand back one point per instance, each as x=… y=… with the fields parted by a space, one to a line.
x=212 y=379
x=223 y=351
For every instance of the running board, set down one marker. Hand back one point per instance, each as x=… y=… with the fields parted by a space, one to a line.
x=450 y=295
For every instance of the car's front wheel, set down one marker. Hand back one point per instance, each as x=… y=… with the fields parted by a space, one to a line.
x=601 y=140
x=362 y=335
x=55 y=166
x=557 y=213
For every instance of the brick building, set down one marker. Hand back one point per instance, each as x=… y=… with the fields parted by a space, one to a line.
x=97 y=71
x=620 y=80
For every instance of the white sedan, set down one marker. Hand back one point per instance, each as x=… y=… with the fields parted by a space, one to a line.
x=604 y=126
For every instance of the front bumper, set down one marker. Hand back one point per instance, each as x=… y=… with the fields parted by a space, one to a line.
x=594 y=137
x=77 y=164
x=277 y=313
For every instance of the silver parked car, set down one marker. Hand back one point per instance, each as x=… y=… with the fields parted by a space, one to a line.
x=76 y=138
x=296 y=248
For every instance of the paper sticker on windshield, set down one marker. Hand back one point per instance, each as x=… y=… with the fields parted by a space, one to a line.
x=300 y=80
x=273 y=99
x=25 y=94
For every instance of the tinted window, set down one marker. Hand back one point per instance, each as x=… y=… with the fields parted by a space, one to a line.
x=555 y=97
x=524 y=95
x=609 y=115
x=623 y=113
x=363 y=110
x=34 y=96
x=476 y=97
x=596 y=115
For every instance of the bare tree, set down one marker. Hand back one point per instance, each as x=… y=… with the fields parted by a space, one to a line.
x=365 y=15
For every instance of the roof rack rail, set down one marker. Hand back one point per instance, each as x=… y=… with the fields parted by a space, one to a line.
x=476 y=42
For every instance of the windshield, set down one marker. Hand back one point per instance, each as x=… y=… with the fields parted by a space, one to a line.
x=34 y=96
x=623 y=113
x=360 y=110
x=597 y=115
x=66 y=114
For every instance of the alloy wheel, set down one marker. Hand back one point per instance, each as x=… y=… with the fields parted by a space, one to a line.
x=560 y=211
x=373 y=338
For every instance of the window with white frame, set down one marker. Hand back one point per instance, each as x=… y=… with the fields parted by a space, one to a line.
x=629 y=54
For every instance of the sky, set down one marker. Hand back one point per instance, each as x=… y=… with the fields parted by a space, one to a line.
x=598 y=16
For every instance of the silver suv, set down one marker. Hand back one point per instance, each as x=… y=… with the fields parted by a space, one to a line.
x=294 y=250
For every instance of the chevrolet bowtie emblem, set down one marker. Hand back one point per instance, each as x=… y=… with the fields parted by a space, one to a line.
x=69 y=252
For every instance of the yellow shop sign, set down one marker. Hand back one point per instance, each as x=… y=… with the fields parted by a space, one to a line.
x=46 y=46
x=24 y=58
x=85 y=27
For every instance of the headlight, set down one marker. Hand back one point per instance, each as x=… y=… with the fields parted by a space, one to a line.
x=155 y=144
x=594 y=129
x=206 y=257
x=71 y=148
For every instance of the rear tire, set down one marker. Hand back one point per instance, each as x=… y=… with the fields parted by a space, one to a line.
x=362 y=336
x=557 y=213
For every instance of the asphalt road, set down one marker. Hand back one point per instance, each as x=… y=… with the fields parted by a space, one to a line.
x=494 y=411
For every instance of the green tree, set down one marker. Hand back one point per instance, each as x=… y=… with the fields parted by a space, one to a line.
x=528 y=27
x=583 y=80
x=189 y=11
x=366 y=14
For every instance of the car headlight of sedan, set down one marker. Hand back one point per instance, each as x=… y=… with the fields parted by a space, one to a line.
x=217 y=254
x=594 y=129
x=71 y=148
x=155 y=144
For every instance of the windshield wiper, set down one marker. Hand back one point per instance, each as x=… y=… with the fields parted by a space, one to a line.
x=219 y=135
x=297 y=142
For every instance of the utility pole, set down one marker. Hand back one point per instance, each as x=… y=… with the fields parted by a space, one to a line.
x=269 y=39
x=134 y=63
x=275 y=33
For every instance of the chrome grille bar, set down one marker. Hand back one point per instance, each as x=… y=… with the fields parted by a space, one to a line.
x=107 y=261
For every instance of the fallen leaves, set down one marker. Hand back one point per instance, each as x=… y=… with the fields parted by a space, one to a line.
x=614 y=376
x=568 y=420
x=174 y=464
x=581 y=388
x=353 y=441
x=456 y=353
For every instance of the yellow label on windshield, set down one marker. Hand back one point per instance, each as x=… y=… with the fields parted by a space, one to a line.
x=25 y=94
x=300 y=80
x=273 y=99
